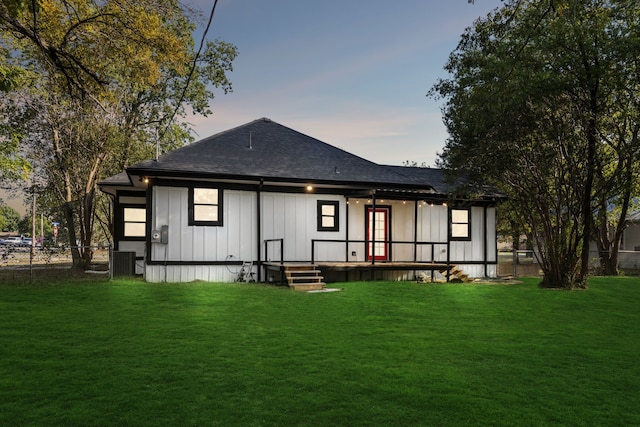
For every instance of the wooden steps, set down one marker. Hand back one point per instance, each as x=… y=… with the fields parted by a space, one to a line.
x=304 y=277
x=456 y=275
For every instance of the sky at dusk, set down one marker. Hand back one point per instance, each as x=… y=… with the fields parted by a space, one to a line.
x=352 y=73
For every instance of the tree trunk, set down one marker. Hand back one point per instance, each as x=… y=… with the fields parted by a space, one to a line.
x=609 y=263
x=70 y=223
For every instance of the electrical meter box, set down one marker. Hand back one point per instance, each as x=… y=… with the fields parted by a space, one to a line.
x=160 y=236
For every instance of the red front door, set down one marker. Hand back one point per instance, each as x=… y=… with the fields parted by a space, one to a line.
x=377 y=234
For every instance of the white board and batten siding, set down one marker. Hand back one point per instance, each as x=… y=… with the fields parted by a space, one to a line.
x=235 y=240
x=433 y=227
x=293 y=217
x=481 y=247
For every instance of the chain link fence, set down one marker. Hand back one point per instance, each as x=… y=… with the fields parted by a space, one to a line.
x=19 y=262
x=524 y=263
x=521 y=264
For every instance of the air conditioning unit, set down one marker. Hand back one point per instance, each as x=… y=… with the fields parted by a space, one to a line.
x=123 y=264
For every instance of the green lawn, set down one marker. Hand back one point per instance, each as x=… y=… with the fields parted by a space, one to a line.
x=127 y=353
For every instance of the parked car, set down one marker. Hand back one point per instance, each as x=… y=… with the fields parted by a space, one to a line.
x=13 y=241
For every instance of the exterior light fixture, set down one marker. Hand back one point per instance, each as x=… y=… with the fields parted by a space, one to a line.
x=309 y=188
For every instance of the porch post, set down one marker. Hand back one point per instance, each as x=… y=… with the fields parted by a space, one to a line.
x=372 y=229
x=346 y=245
x=448 y=242
x=415 y=231
x=259 y=229
x=486 y=242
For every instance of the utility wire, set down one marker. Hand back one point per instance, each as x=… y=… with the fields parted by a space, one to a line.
x=189 y=76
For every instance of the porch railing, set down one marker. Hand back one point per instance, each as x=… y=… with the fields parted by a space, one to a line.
x=270 y=242
x=277 y=246
x=415 y=245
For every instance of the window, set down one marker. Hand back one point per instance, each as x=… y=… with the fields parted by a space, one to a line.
x=460 y=225
x=205 y=206
x=328 y=215
x=134 y=222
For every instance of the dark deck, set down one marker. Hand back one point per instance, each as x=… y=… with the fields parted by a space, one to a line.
x=363 y=266
x=379 y=265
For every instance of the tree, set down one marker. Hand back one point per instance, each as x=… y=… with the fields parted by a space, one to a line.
x=12 y=165
x=9 y=218
x=113 y=79
x=531 y=108
x=620 y=130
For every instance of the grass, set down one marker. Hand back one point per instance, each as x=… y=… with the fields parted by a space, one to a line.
x=128 y=353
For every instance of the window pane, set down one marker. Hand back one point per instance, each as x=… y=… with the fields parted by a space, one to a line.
x=205 y=213
x=135 y=214
x=460 y=216
x=328 y=210
x=459 y=230
x=328 y=221
x=134 y=229
x=206 y=196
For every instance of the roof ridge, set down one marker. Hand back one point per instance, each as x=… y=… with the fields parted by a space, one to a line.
x=265 y=119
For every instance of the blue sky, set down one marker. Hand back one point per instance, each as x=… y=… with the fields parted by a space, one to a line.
x=352 y=73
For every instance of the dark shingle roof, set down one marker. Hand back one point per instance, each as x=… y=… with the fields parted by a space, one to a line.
x=120 y=179
x=420 y=175
x=266 y=149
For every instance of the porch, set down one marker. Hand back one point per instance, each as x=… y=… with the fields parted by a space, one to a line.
x=306 y=275
x=339 y=261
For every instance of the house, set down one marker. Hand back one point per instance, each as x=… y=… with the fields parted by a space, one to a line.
x=631 y=236
x=629 y=251
x=251 y=200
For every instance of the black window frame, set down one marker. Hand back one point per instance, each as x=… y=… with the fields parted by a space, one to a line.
x=336 y=215
x=192 y=220
x=452 y=223
x=122 y=234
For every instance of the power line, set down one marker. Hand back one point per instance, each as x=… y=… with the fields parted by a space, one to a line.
x=189 y=76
